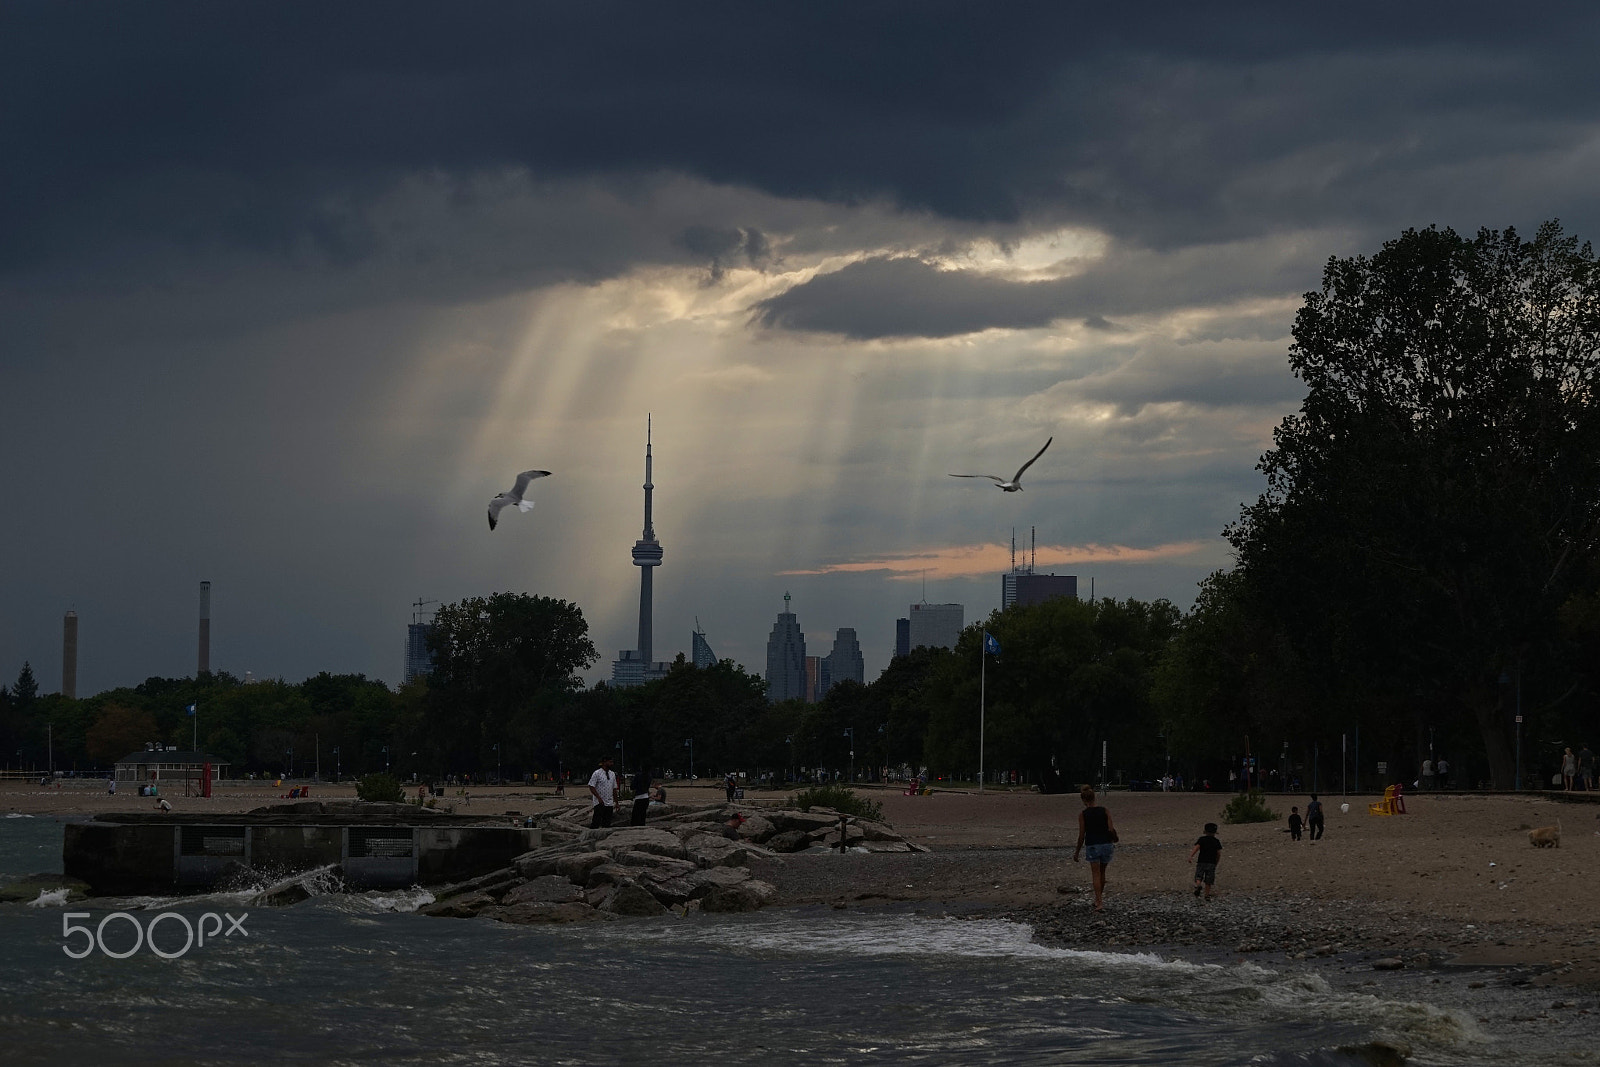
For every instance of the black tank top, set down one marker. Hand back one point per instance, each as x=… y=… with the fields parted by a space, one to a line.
x=1096 y=828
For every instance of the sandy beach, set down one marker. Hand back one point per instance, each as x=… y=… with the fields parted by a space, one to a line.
x=1454 y=879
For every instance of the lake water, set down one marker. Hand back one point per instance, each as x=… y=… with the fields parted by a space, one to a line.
x=358 y=977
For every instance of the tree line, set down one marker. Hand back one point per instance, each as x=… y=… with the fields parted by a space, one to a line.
x=1421 y=578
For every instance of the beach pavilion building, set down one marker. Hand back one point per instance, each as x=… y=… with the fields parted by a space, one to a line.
x=168 y=764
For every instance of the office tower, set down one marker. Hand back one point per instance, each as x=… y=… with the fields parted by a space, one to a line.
x=786 y=657
x=935 y=625
x=844 y=662
x=69 y=656
x=204 y=666
x=1022 y=586
x=902 y=637
x=816 y=678
x=1025 y=588
x=699 y=650
x=635 y=667
x=419 y=661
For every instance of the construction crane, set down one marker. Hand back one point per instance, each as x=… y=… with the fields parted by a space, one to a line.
x=417 y=606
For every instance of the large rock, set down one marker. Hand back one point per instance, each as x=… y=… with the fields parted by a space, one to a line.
x=672 y=892
x=549 y=889
x=746 y=896
x=661 y=870
x=876 y=831
x=545 y=912
x=800 y=820
x=577 y=866
x=702 y=882
x=465 y=906
x=756 y=828
x=710 y=851
x=494 y=883
x=644 y=839
x=789 y=841
x=633 y=900
x=610 y=874
x=886 y=846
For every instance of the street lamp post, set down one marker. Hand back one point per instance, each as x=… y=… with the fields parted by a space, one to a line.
x=497 y=775
x=1505 y=677
x=338 y=765
x=622 y=746
x=385 y=759
x=688 y=743
x=850 y=732
x=789 y=739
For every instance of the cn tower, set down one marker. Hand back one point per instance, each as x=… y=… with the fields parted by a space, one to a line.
x=646 y=556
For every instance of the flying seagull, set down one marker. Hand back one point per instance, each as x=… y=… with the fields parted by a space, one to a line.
x=1015 y=484
x=514 y=496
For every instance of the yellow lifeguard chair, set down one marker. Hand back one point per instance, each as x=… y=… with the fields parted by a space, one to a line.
x=1391 y=804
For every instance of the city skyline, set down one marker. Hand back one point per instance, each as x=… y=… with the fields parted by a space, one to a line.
x=297 y=330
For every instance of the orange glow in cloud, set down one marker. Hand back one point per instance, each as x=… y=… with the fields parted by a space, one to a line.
x=961 y=561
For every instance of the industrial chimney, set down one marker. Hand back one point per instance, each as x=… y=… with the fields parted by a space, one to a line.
x=69 y=656
x=205 y=629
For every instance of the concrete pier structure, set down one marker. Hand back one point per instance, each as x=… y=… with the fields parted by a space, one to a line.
x=375 y=846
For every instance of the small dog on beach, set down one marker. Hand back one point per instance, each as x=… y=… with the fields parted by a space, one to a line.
x=1546 y=836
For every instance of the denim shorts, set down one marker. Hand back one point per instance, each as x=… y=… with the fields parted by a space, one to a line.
x=1098 y=853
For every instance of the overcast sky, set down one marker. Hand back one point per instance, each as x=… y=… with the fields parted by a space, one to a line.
x=289 y=291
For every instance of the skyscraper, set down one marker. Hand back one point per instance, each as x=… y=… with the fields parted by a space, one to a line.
x=844 y=662
x=1022 y=587
x=69 y=656
x=699 y=650
x=786 y=658
x=419 y=661
x=902 y=637
x=935 y=625
x=635 y=667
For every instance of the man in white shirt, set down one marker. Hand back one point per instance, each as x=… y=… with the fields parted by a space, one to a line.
x=603 y=788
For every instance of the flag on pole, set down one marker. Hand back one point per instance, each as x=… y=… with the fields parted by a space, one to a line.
x=990 y=645
x=191 y=709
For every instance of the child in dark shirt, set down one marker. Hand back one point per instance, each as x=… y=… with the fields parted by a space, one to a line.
x=1208 y=849
x=1294 y=823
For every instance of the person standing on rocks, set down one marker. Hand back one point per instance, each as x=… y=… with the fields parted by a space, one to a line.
x=1097 y=839
x=641 y=796
x=1314 y=818
x=603 y=788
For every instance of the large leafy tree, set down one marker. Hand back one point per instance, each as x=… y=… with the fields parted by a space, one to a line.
x=497 y=659
x=1437 y=497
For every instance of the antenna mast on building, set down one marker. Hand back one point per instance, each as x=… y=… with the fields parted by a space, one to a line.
x=1033 y=547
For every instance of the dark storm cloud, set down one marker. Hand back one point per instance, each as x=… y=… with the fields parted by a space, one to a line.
x=269 y=126
x=908 y=297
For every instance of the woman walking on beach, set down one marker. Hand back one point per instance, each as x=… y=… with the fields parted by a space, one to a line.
x=1569 y=768
x=1097 y=839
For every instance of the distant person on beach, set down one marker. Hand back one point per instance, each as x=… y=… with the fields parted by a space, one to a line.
x=729 y=784
x=641 y=796
x=603 y=789
x=1586 y=766
x=112 y=789
x=1569 y=768
x=1206 y=851
x=730 y=829
x=1314 y=818
x=1294 y=823
x=1097 y=839
x=1442 y=772
x=1427 y=774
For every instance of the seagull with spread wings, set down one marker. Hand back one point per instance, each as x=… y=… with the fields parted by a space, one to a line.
x=514 y=496
x=1015 y=484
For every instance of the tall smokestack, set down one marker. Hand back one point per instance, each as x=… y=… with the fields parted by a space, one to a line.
x=69 y=656
x=205 y=629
